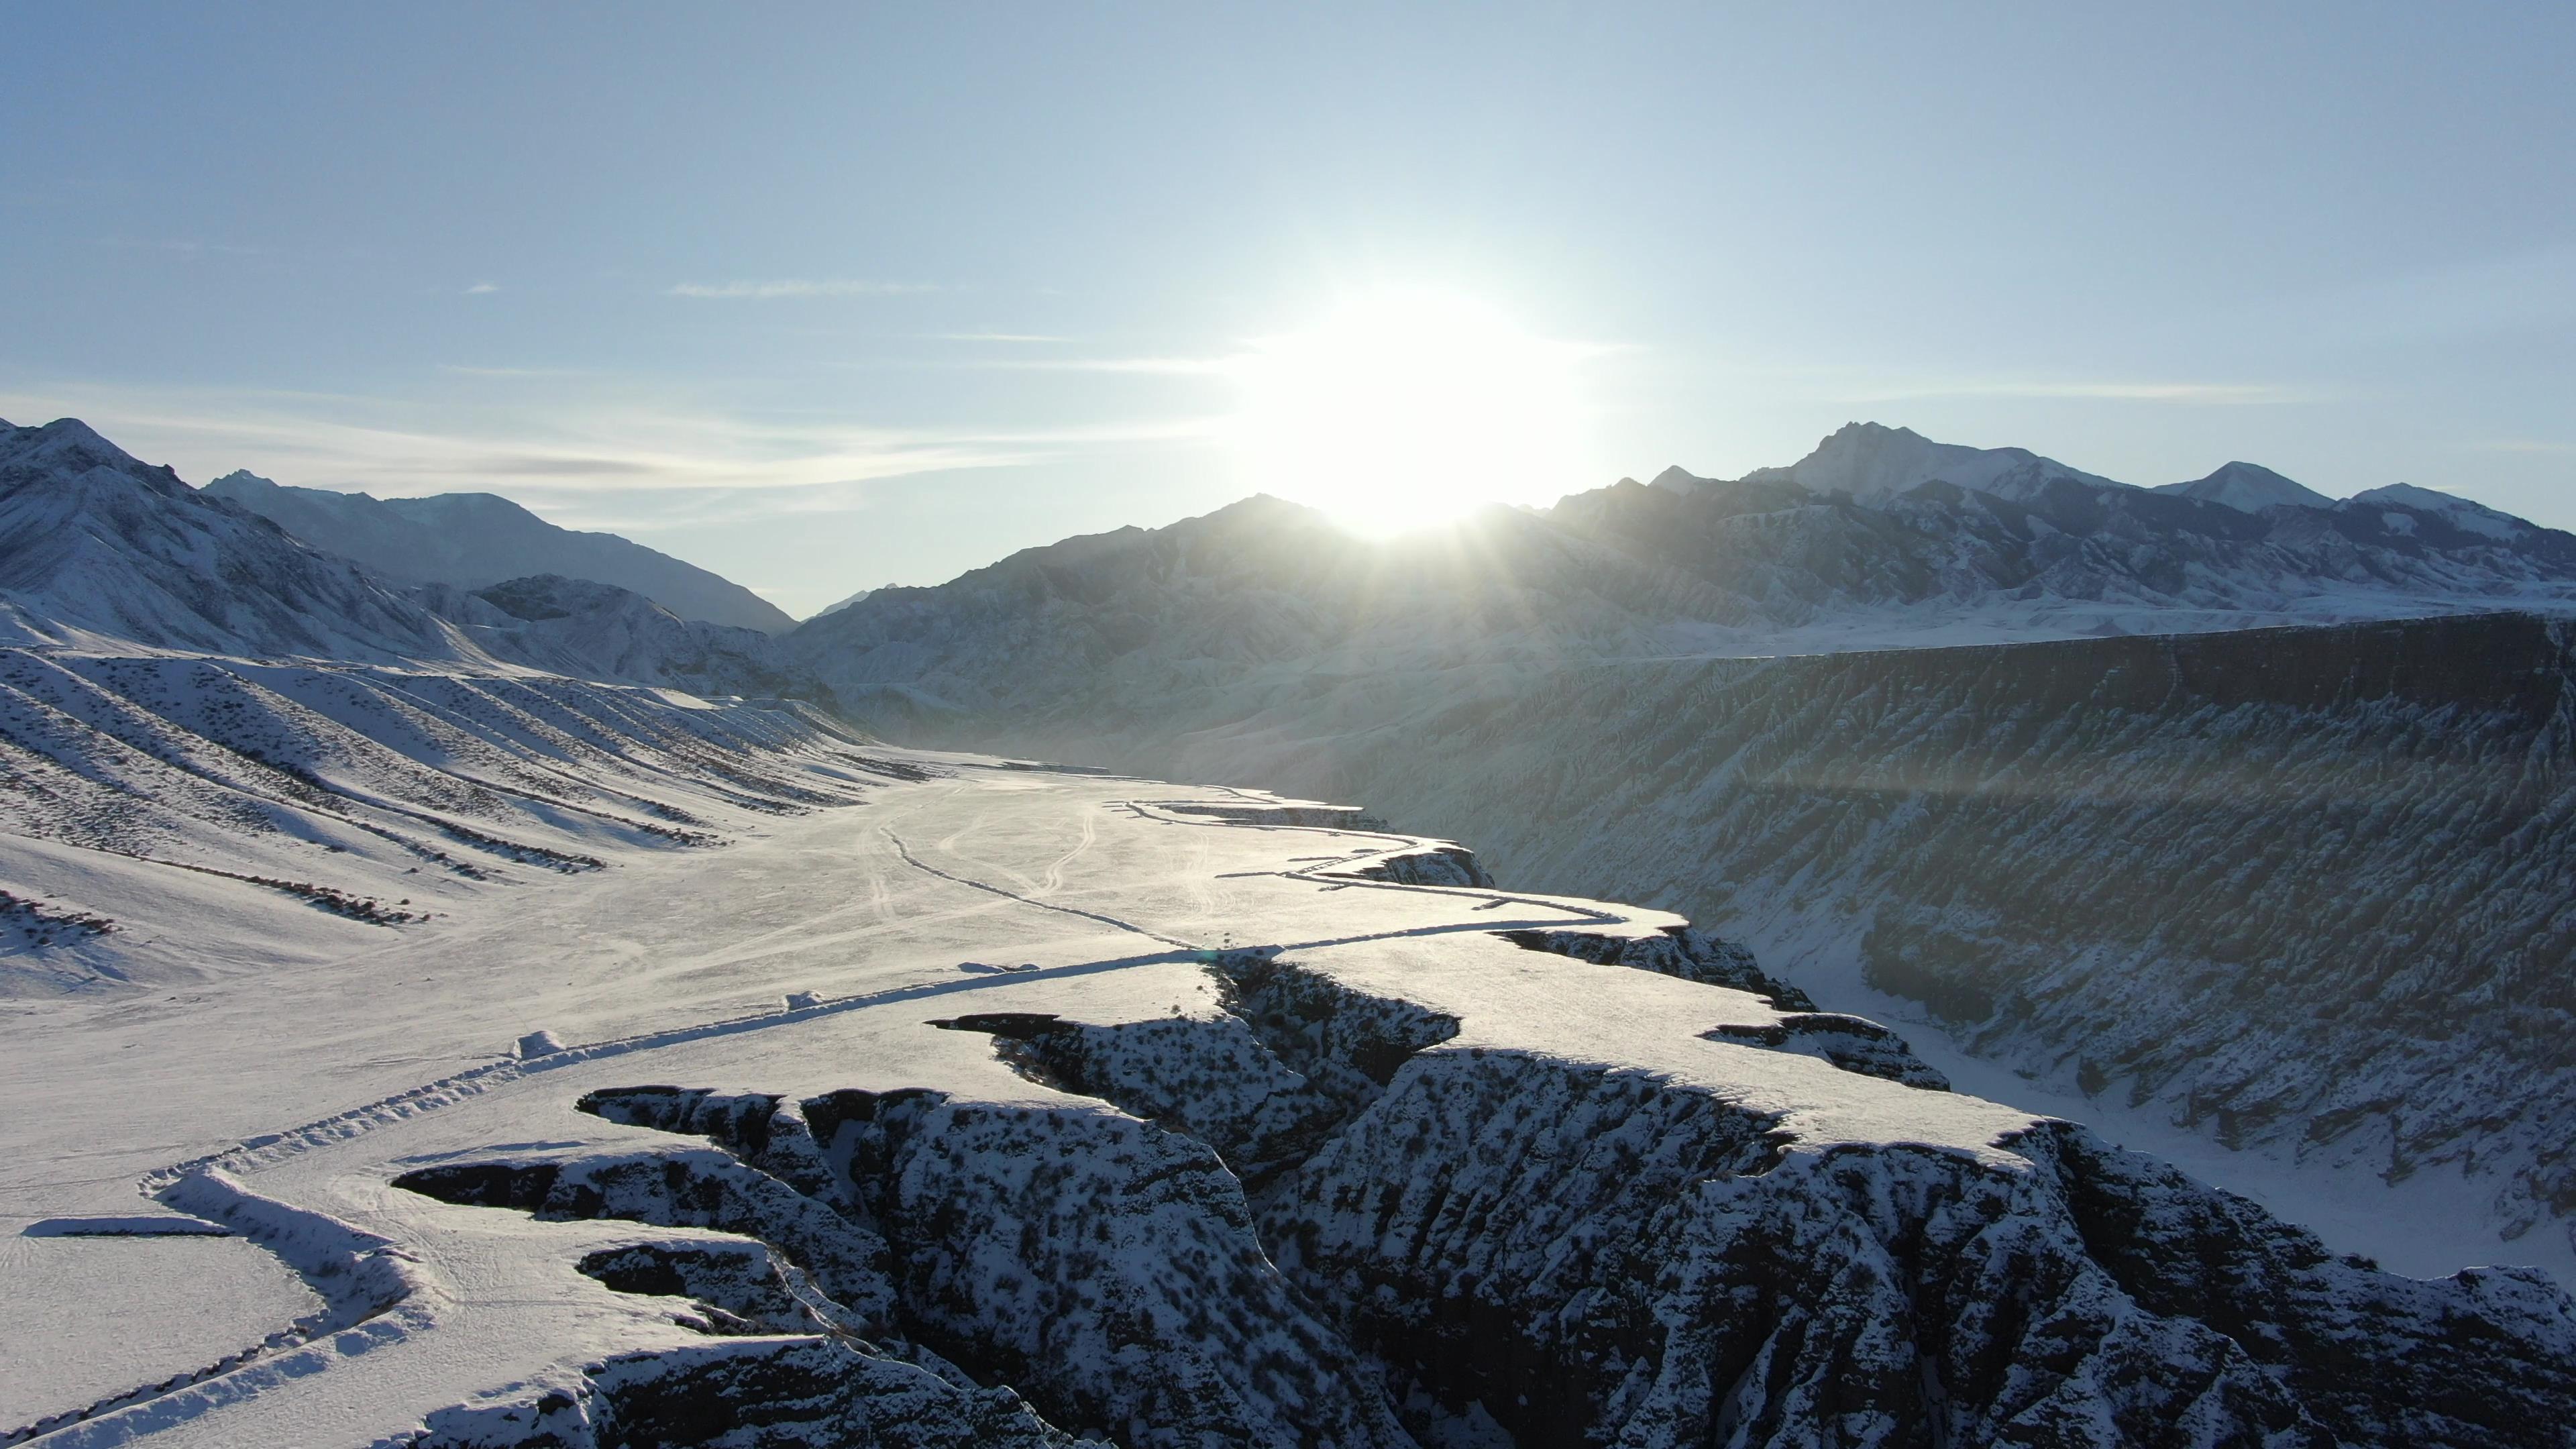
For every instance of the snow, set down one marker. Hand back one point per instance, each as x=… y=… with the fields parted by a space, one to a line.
x=439 y=1049
x=473 y=540
x=2427 y=1226
x=2452 y=508
x=178 y=1305
x=286 y=1101
x=2249 y=488
x=1873 y=460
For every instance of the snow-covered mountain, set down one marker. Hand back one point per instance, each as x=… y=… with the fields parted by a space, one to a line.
x=2291 y=895
x=475 y=540
x=838 y=605
x=1015 y=1105
x=2405 y=500
x=1219 y=620
x=2249 y=488
x=397 y=1057
x=103 y=553
x=95 y=545
x=599 y=631
x=1871 y=460
x=1558 y=685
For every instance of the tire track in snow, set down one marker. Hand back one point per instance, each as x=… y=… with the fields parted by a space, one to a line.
x=474 y=1082
x=1054 y=881
x=1107 y=920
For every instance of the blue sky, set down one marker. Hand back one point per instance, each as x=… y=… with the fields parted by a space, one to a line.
x=831 y=297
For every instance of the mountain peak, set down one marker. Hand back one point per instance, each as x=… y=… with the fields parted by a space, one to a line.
x=476 y=540
x=2249 y=488
x=1875 y=460
x=1677 y=478
x=64 y=439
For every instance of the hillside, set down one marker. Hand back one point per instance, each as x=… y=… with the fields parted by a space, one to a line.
x=475 y=540
x=1014 y=1106
x=96 y=545
x=2125 y=863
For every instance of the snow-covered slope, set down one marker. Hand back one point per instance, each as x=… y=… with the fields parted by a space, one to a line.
x=104 y=554
x=2250 y=488
x=840 y=604
x=97 y=546
x=2405 y=501
x=377 y=797
x=474 y=540
x=1872 y=460
x=1542 y=683
x=1016 y=1105
x=394 y=1058
x=1264 y=612
x=2297 y=895
x=599 y=631
x=1150 y=627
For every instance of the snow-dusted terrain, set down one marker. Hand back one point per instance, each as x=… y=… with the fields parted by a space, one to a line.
x=1012 y=1105
x=102 y=553
x=444 y=1019
x=2297 y=898
x=1258 y=609
x=2301 y=894
x=475 y=540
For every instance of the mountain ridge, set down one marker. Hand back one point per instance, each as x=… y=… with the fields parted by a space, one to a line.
x=475 y=540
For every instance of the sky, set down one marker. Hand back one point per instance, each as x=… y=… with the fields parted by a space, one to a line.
x=830 y=297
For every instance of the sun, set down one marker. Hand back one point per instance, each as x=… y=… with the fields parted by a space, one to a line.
x=1401 y=410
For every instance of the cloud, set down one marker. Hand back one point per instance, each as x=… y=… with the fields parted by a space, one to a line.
x=480 y=289
x=2206 y=394
x=623 y=452
x=799 y=287
x=184 y=247
x=1160 y=366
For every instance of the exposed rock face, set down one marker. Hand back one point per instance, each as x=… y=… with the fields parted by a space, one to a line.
x=1438 y=1234
x=774 y=1393
x=1688 y=954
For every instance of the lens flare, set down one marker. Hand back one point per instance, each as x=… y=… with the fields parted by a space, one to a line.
x=1402 y=410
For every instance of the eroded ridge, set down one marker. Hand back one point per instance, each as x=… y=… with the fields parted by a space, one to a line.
x=1588 y=1253
x=1681 y=951
x=1313 y=1215
x=1103 y=1268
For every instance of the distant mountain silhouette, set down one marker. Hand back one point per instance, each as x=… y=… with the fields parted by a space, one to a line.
x=475 y=540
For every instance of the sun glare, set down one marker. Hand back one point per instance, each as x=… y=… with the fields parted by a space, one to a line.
x=1403 y=410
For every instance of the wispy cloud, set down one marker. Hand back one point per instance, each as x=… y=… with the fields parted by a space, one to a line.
x=2206 y=394
x=632 y=455
x=184 y=247
x=463 y=370
x=482 y=289
x=1161 y=366
x=775 y=290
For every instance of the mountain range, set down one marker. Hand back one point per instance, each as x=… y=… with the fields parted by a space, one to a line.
x=475 y=540
x=1535 y=655
x=1084 y=1108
